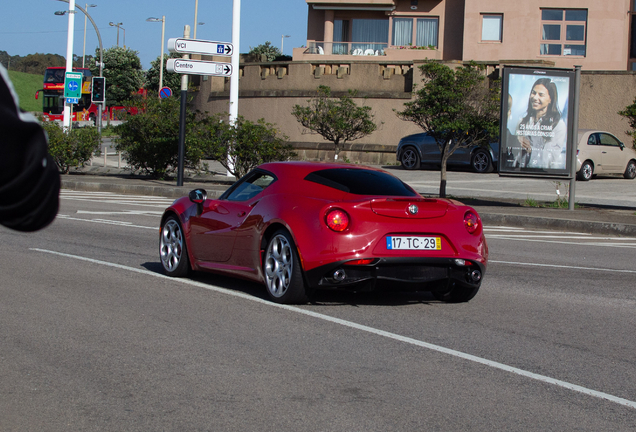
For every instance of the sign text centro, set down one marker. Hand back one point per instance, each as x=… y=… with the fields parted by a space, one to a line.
x=198 y=67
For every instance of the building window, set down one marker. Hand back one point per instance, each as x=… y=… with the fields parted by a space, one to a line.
x=421 y=30
x=563 y=32
x=491 y=25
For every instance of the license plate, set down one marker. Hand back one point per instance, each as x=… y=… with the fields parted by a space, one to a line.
x=413 y=243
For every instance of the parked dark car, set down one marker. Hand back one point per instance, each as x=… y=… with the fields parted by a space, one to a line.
x=421 y=149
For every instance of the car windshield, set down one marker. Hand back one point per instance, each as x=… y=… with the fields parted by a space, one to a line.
x=361 y=182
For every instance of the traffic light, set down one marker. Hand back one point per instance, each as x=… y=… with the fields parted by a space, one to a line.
x=99 y=90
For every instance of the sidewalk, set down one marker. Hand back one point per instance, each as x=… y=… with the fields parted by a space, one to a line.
x=498 y=209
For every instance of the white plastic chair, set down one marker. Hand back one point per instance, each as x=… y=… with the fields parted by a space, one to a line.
x=368 y=52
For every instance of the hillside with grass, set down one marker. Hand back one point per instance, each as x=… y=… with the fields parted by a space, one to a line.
x=26 y=85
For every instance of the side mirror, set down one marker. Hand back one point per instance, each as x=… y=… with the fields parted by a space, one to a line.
x=622 y=146
x=198 y=197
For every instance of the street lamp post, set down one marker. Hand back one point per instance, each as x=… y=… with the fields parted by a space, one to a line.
x=282 y=38
x=101 y=57
x=163 y=32
x=86 y=6
x=118 y=25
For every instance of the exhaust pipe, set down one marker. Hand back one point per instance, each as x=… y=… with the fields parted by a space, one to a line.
x=475 y=275
x=339 y=275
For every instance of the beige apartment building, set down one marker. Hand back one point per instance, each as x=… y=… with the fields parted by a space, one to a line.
x=592 y=33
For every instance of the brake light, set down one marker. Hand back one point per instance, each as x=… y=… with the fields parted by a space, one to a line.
x=337 y=220
x=471 y=222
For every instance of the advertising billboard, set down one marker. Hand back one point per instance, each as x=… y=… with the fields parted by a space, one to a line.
x=536 y=115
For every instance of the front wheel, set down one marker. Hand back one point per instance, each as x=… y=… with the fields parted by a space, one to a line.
x=481 y=162
x=410 y=159
x=172 y=249
x=283 y=275
x=586 y=171
x=630 y=171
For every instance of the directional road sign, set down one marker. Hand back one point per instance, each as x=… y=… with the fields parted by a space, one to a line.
x=73 y=85
x=72 y=100
x=198 y=67
x=197 y=46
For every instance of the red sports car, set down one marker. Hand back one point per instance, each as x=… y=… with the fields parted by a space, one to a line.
x=302 y=226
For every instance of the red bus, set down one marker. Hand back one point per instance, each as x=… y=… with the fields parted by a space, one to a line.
x=53 y=96
x=85 y=110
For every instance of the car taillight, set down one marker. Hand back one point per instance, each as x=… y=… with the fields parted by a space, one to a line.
x=471 y=222
x=337 y=220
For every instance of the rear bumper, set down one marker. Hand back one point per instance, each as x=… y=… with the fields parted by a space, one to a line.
x=420 y=274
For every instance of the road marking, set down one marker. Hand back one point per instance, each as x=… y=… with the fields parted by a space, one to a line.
x=569 y=267
x=496 y=365
x=127 y=212
x=106 y=221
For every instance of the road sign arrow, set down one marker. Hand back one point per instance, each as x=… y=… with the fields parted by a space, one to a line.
x=228 y=49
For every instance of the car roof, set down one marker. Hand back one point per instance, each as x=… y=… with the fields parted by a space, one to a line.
x=300 y=169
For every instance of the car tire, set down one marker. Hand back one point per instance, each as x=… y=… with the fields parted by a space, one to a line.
x=281 y=268
x=172 y=248
x=630 y=171
x=586 y=172
x=481 y=162
x=410 y=158
x=456 y=294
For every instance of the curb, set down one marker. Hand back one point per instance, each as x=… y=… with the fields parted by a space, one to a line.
x=570 y=225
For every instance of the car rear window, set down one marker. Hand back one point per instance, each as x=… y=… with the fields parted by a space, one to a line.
x=361 y=182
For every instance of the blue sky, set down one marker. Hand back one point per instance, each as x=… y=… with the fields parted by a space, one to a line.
x=30 y=26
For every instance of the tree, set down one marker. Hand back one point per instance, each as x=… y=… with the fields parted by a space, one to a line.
x=336 y=120
x=630 y=113
x=457 y=107
x=267 y=49
x=170 y=79
x=245 y=145
x=122 y=70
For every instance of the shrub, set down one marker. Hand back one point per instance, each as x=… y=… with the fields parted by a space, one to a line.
x=244 y=146
x=149 y=140
x=71 y=149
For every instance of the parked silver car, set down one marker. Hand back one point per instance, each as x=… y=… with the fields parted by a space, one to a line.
x=601 y=152
x=421 y=149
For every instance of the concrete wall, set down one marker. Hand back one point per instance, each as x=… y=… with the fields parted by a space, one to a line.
x=270 y=91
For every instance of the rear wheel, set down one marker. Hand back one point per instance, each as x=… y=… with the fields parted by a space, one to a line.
x=456 y=294
x=283 y=275
x=586 y=171
x=630 y=171
x=172 y=248
x=481 y=162
x=410 y=159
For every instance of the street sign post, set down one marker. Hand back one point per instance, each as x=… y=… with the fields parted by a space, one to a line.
x=197 y=46
x=198 y=67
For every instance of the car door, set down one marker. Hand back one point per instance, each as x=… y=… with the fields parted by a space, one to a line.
x=612 y=154
x=213 y=232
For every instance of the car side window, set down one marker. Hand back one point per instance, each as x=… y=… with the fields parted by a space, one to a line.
x=250 y=186
x=608 y=140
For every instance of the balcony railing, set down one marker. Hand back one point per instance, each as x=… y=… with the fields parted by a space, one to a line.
x=347 y=48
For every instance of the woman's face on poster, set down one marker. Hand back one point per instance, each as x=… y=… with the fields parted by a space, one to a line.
x=539 y=98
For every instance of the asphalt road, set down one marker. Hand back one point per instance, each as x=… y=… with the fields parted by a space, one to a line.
x=93 y=337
